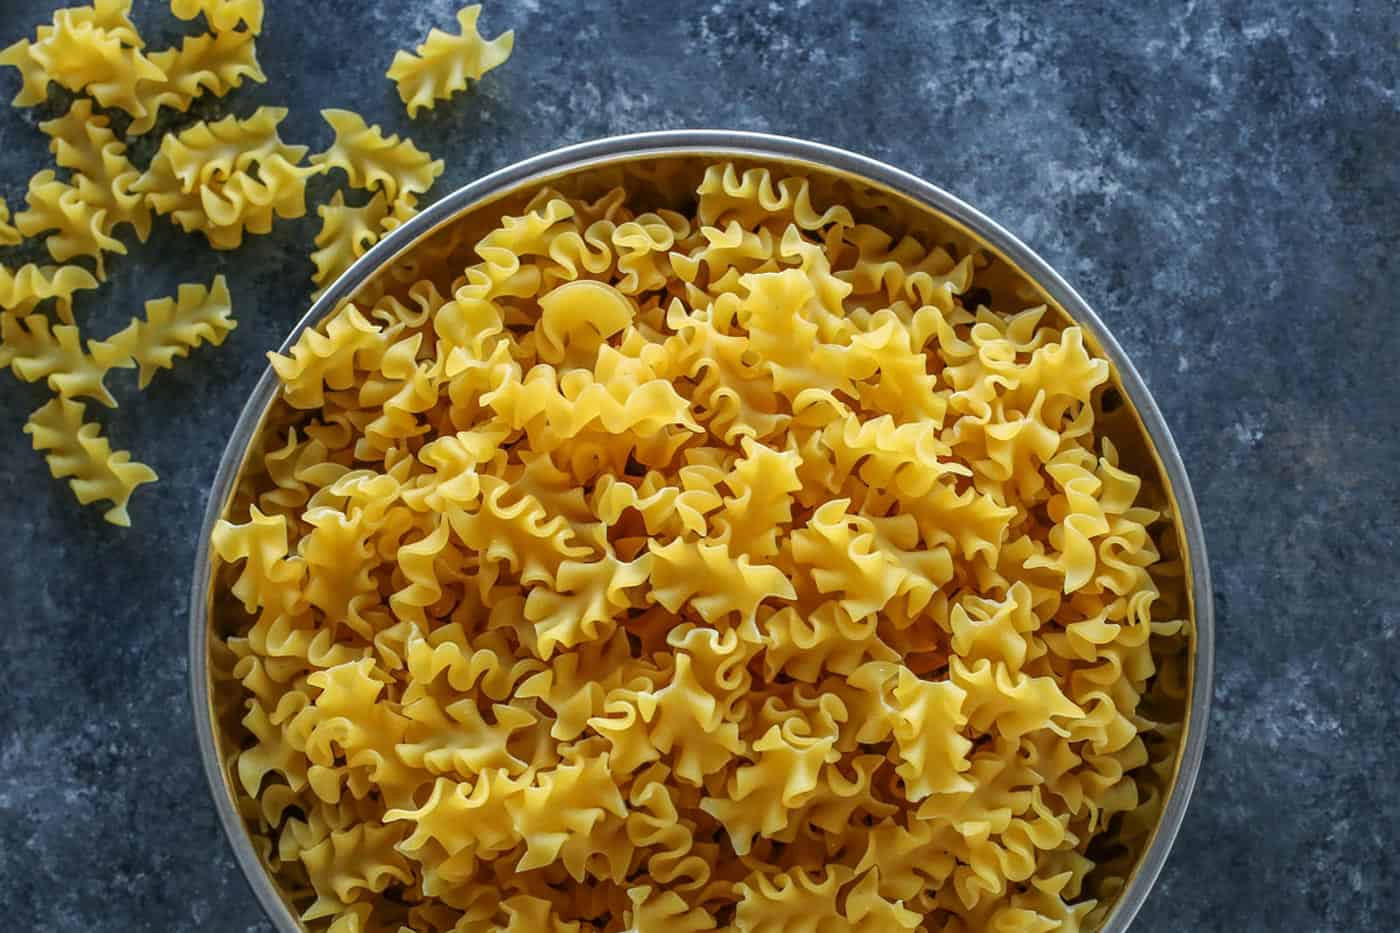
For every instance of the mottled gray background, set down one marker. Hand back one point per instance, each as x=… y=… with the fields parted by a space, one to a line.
x=1220 y=179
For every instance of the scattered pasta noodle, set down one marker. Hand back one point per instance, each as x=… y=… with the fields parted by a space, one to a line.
x=443 y=64
x=214 y=63
x=375 y=162
x=9 y=236
x=81 y=215
x=102 y=23
x=228 y=178
x=76 y=451
x=37 y=351
x=348 y=232
x=93 y=50
x=725 y=568
x=24 y=289
x=223 y=16
x=175 y=326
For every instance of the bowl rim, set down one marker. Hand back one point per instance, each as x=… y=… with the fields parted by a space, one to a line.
x=723 y=144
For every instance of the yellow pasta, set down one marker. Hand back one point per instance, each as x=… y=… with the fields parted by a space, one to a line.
x=35 y=350
x=214 y=63
x=223 y=16
x=228 y=178
x=9 y=236
x=375 y=162
x=75 y=451
x=74 y=227
x=175 y=326
x=441 y=66
x=82 y=55
x=727 y=570
x=83 y=213
x=22 y=289
x=348 y=232
x=102 y=20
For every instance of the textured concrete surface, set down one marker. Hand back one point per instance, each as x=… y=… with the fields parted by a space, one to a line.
x=1220 y=179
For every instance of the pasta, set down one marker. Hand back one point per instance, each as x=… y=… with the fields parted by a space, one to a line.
x=82 y=55
x=347 y=232
x=35 y=350
x=375 y=162
x=228 y=178
x=82 y=40
x=83 y=213
x=175 y=326
x=223 y=16
x=214 y=63
x=721 y=569
x=9 y=236
x=77 y=452
x=23 y=289
x=441 y=66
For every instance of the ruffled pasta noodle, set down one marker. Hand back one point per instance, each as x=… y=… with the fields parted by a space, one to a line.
x=75 y=451
x=81 y=215
x=375 y=162
x=36 y=350
x=720 y=569
x=23 y=289
x=348 y=232
x=93 y=50
x=442 y=65
x=175 y=326
x=111 y=17
x=228 y=178
x=9 y=236
x=214 y=63
x=223 y=16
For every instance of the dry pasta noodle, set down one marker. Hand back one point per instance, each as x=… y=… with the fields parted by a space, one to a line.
x=23 y=289
x=441 y=66
x=375 y=162
x=223 y=16
x=720 y=569
x=214 y=63
x=348 y=232
x=9 y=236
x=228 y=178
x=175 y=326
x=76 y=451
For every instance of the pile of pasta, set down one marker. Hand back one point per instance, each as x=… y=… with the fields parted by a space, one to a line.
x=727 y=568
x=223 y=179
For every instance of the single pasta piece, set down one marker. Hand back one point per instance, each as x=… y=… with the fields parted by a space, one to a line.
x=175 y=326
x=74 y=227
x=346 y=234
x=85 y=211
x=34 y=350
x=228 y=177
x=214 y=63
x=34 y=80
x=375 y=162
x=83 y=56
x=77 y=452
x=222 y=15
x=443 y=64
x=9 y=236
x=23 y=289
x=112 y=17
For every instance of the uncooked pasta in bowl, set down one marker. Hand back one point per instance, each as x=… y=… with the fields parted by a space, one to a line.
x=700 y=541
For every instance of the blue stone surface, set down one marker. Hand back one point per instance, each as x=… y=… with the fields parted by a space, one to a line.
x=1221 y=179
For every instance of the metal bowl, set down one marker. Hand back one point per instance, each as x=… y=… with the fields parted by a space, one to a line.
x=884 y=183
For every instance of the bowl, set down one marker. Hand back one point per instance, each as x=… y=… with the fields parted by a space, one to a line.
x=882 y=188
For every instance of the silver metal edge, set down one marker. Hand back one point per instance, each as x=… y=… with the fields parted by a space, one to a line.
x=725 y=144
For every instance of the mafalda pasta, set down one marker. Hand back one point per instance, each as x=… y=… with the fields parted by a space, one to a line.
x=722 y=569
